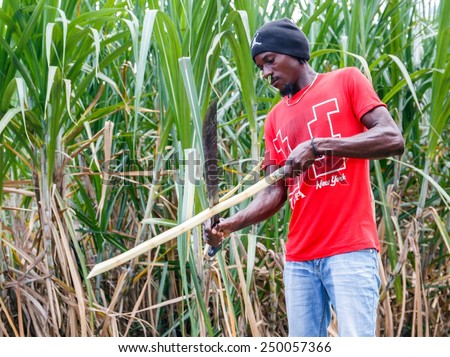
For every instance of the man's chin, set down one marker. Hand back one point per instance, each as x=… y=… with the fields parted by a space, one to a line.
x=288 y=90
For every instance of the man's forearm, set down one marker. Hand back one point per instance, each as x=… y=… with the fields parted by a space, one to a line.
x=263 y=206
x=365 y=145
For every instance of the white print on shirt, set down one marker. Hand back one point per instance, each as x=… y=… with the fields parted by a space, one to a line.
x=332 y=182
x=282 y=145
x=322 y=111
x=295 y=195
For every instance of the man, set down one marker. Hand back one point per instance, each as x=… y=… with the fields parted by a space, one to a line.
x=323 y=132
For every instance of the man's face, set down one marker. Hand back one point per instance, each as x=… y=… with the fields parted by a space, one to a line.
x=283 y=71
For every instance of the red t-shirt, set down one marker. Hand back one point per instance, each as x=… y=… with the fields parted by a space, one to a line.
x=332 y=203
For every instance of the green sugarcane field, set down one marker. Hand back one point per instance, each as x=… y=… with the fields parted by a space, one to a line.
x=102 y=104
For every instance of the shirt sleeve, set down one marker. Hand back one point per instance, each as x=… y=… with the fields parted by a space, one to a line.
x=362 y=94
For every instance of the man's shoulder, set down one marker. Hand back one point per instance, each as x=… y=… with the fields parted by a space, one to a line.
x=343 y=76
x=278 y=106
x=346 y=71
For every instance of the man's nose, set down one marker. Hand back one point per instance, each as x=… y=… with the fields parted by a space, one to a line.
x=267 y=71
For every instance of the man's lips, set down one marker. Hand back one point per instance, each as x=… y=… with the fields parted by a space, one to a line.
x=273 y=81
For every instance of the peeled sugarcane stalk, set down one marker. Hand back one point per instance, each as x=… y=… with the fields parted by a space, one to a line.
x=185 y=226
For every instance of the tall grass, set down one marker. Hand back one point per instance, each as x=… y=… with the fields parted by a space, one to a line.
x=101 y=107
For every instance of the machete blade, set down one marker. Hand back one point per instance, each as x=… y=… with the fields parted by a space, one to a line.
x=209 y=141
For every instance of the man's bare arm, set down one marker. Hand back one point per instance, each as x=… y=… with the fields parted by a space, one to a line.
x=264 y=205
x=382 y=139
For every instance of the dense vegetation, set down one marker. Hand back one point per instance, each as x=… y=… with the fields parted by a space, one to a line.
x=101 y=109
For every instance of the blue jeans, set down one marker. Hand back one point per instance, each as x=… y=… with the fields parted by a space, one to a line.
x=348 y=282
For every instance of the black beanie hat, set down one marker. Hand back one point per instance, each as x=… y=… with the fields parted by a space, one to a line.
x=281 y=36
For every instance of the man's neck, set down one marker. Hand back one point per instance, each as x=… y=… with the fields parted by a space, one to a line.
x=306 y=77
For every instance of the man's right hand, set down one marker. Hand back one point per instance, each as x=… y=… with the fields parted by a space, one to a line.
x=214 y=235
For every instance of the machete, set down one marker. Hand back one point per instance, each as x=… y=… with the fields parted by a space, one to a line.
x=209 y=141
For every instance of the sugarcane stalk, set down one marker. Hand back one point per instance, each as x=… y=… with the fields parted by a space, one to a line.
x=185 y=226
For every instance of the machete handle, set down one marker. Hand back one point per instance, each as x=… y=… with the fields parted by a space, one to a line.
x=213 y=250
